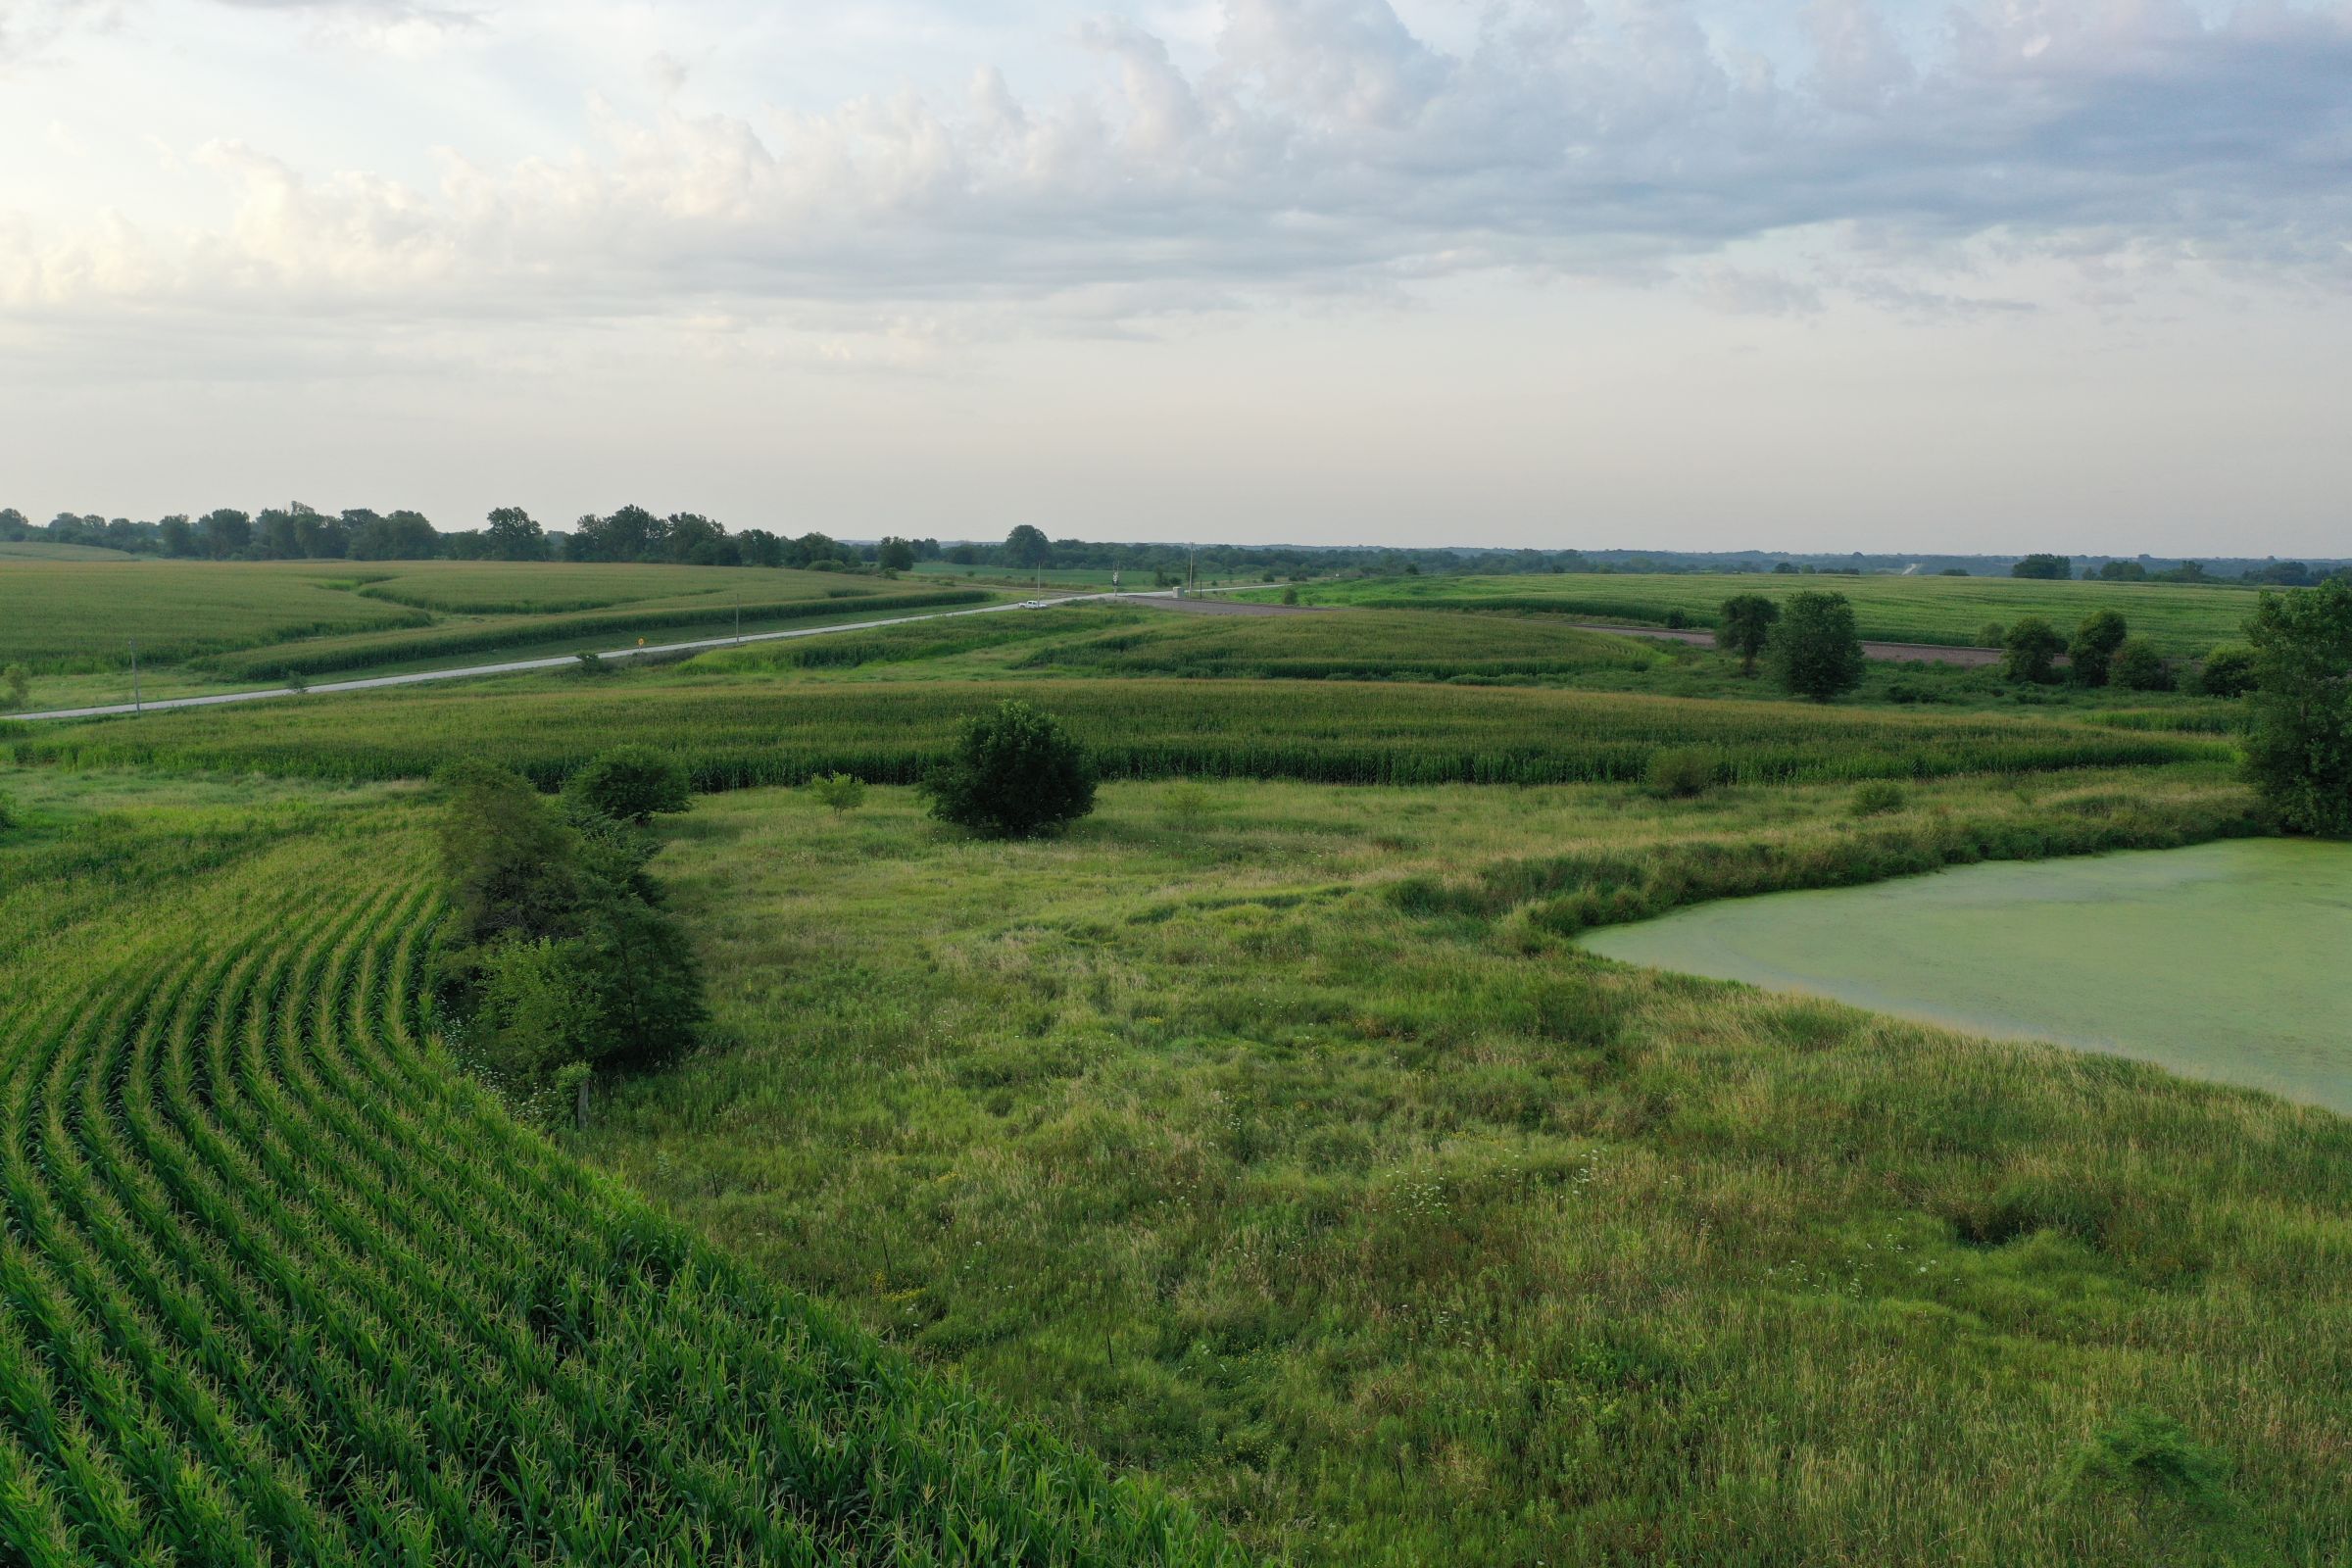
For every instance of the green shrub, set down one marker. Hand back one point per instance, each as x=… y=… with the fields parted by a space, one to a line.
x=841 y=792
x=1743 y=626
x=1679 y=772
x=19 y=683
x=592 y=664
x=2095 y=641
x=7 y=811
x=2144 y=1452
x=2227 y=672
x=630 y=784
x=2032 y=648
x=2299 y=747
x=1014 y=773
x=2137 y=667
x=1290 y=596
x=1185 y=806
x=1993 y=634
x=1877 y=797
x=1815 y=648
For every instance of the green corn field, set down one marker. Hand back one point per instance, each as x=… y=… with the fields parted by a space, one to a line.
x=282 y=1288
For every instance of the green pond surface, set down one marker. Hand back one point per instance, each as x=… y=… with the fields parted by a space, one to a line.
x=2228 y=960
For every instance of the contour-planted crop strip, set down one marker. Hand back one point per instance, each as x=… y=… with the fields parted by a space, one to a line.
x=732 y=734
x=60 y=615
x=322 y=655
x=282 y=1288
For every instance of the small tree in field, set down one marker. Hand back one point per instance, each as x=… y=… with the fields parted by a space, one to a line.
x=1745 y=626
x=2029 y=648
x=2227 y=672
x=2299 y=750
x=1815 y=648
x=630 y=783
x=2097 y=639
x=2137 y=667
x=19 y=681
x=1014 y=774
x=839 y=792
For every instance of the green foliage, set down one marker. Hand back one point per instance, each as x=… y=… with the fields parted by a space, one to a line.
x=631 y=784
x=1185 y=806
x=589 y=662
x=839 y=792
x=1815 y=650
x=2054 y=568
x=2095 y=641
x=1290 y=594
x=1678 y=772
x=2299 y=749
x=1993 y=634
x=2032 y=649
x=573 y=895
x=1014 y=773
x=17 y=681
x=1743 y=625
x=2137 y=667
x=2144 y=1452
x=7 y=811
x=1879 y=796
x=2227 y=672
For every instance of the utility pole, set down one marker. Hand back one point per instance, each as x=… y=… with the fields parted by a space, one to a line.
x=136 y=707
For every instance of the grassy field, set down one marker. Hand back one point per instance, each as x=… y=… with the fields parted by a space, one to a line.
x=1277 y=1142
x=284 y=1287
x=2182 y=621
x=732 y=732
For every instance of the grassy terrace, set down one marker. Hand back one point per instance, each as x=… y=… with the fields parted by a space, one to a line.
x=2182 y=621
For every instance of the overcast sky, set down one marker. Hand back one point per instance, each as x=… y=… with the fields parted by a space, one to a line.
x=1994 y=275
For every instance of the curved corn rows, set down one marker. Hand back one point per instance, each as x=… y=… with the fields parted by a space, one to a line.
x=277 y=1286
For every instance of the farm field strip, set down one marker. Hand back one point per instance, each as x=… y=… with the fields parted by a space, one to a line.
x=732 y=733
x=2184 y=621
x=508 y=667
x=285 y=1289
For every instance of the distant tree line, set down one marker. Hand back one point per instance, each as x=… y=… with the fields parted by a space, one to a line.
x=633 y=533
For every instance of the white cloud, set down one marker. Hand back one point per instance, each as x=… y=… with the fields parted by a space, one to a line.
x=1321 y=147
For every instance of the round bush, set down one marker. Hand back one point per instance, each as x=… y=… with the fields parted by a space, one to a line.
x=630 y=783
x=2137 y=667
x=2227 y=672
x=1679 y=772
x=1014 y=774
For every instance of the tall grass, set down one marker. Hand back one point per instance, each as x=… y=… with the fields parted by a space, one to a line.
x=1406 y=1234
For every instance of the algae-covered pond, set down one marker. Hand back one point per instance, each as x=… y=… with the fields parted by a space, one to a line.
x=2228 y=960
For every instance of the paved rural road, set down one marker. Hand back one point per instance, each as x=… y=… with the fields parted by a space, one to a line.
x=555 y=661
